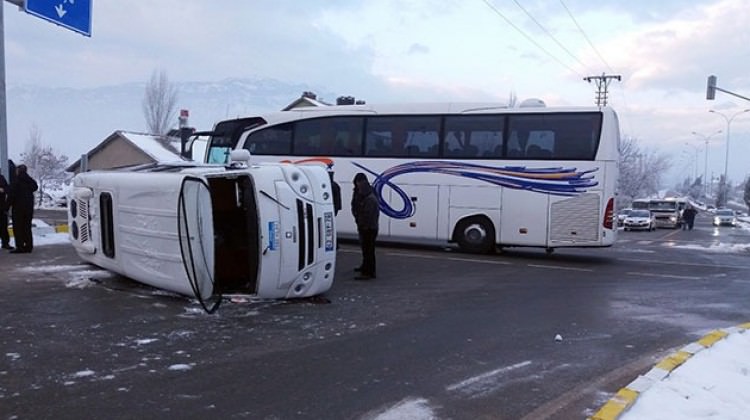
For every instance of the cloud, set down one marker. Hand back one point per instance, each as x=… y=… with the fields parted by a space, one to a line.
x=681 y=52
x=417 y=48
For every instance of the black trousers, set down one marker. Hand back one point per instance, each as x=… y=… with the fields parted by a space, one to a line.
x=4 y=237
x=22 y=230
x=367 y=240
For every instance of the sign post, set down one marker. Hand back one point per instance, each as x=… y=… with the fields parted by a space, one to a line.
x=72 y=14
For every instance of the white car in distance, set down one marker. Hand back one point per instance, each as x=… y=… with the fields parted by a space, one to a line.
x=725 y=217
x=640 y=220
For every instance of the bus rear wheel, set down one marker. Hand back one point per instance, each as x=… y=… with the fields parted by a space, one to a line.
x=476 y=235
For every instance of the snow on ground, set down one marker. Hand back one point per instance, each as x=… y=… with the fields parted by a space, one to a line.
x=714 y=383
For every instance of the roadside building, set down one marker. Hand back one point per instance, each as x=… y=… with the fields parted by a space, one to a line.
x=126 y=148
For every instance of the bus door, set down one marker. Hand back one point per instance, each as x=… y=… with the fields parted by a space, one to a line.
x=424 y=221
x=196 y=234
x=525 y=218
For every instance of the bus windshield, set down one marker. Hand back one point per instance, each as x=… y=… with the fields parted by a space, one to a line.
x=225 y=136
x=663 y=205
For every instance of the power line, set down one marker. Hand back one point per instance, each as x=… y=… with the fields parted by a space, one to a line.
x=549 y=34
x=585 y=36
x=508 y=21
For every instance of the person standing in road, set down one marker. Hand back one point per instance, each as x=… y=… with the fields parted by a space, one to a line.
x=4 y=236
x=21 y=202
x=366 y=214
x=688 y=217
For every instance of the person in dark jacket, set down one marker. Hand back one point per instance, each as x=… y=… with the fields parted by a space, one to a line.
x=21 y=202
x=4 y=236
x=366 y=214
x=688 y=217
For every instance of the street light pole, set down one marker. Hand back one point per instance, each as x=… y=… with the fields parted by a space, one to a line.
x=695 y=159
x=705 y=165
x=726 y=159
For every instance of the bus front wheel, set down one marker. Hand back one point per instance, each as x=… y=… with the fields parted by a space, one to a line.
x=476 y=235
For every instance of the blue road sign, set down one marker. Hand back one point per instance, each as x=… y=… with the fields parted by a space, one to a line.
x=72 y=14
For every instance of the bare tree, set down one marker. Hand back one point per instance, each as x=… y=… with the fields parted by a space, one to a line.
x=159 y=103
x=43 y=163
x=641 y=170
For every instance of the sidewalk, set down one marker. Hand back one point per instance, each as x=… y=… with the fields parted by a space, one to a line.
x=706 y=379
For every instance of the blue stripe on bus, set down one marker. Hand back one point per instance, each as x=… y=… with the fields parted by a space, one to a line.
x=555 y=181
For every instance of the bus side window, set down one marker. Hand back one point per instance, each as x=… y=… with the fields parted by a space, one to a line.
x=473 y=136
x=307 y=138
x=275 y=140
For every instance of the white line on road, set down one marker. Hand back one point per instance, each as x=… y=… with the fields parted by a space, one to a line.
x=484 y=376
x=560 y=267
x=667 y=262
x=430 y=257
x=670 y=276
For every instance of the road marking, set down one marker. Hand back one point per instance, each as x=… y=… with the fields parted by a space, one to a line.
x=665 y=262
x=429 y=257
x=559 y=267
x=670 y=276
x=471 y=381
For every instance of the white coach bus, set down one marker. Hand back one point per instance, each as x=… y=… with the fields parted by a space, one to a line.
x=480 y=175
x=265 y=230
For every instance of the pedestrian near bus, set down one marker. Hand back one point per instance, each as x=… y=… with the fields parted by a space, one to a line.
x=366 y=214
x=21 y=202
x=4 y=236
x=688 y=217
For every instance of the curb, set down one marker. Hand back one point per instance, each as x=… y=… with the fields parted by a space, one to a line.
x=627 y=396
x=57 y=228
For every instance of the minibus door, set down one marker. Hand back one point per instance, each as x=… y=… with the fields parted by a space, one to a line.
x=196 y=233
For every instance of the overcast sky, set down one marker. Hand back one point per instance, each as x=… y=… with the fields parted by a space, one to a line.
x=427 y=50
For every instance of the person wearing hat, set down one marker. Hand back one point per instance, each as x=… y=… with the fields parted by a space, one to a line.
x=21 y=202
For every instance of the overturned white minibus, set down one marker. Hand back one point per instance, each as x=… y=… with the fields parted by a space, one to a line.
x=265 y=230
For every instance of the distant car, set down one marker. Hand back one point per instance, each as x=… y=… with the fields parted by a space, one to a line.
x=640 y=220
x=622 y=215
x=710 y=208
x=725 y=217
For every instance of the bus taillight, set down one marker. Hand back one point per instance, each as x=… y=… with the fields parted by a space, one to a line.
x=609 y=214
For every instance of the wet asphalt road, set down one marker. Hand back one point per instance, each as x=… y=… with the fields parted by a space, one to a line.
x=463 y=336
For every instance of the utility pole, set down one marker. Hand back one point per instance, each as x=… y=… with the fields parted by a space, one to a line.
x=602 y=86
